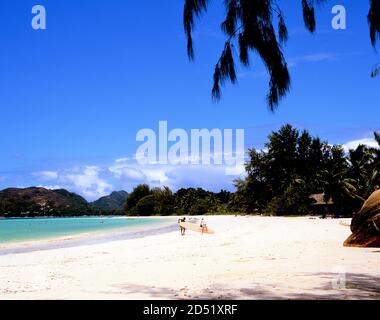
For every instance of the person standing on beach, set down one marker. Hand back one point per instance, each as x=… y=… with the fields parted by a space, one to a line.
x=182 y=228
x=203 y=225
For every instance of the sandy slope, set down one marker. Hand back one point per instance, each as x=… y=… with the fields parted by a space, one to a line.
x=247 y=258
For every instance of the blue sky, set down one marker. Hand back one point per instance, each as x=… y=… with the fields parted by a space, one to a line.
x=73 y=97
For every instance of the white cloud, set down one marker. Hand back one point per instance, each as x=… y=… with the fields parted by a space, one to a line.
x=85 y=181
x=370 y=142
x=121 y=160
x=47 y=175
x=50 y=187
x=123 y=170
x=292 y=63
x=88 y=182
x=156 y=175
x=211 y=177
x=93 y=182
x=312 y=58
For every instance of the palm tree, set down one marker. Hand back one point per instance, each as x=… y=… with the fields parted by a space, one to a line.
x=363 y=171
x=375 y=176
x=251 y=25
x=337 y=185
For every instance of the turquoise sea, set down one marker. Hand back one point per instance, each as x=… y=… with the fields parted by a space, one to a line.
x=24 y=229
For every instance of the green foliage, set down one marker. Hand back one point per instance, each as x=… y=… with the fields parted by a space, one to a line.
x=144 y=201
x=145 y=206
x=295 y=166
x=163 y=201
x=294 y=201
x=191 y=201
x=199 y=202
x=112 y=204
x=135 y=196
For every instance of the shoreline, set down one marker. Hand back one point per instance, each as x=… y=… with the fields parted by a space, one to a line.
x=117 y=233
x=84 y=238
x=92 y=234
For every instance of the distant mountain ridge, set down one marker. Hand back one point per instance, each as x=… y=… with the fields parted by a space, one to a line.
x=37 y=201
x=113 y=202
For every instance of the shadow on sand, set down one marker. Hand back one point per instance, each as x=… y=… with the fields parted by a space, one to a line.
x=357 y=286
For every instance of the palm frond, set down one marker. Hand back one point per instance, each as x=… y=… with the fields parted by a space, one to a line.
x=192 y=9
x=374 y=21
x=375 y=71
x=282 y=29
x=308 y=14
x=224 y=70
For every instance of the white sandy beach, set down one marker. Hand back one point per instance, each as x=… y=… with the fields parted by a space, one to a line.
x=247 y=258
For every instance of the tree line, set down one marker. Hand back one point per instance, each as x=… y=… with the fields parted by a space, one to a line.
x=146 y=201
x=279 y=180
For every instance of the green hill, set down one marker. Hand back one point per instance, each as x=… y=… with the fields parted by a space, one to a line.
x=32 y=202
x=114 y=203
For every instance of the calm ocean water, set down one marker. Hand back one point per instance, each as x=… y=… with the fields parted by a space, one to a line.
x=13 y=230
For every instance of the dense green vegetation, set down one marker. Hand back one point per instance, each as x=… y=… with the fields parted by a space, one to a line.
x=279 y=181
x=296 y=165
x=113 y=203
x=144 y=201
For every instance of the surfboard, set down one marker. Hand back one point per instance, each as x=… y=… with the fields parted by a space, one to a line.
x=195 y=227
